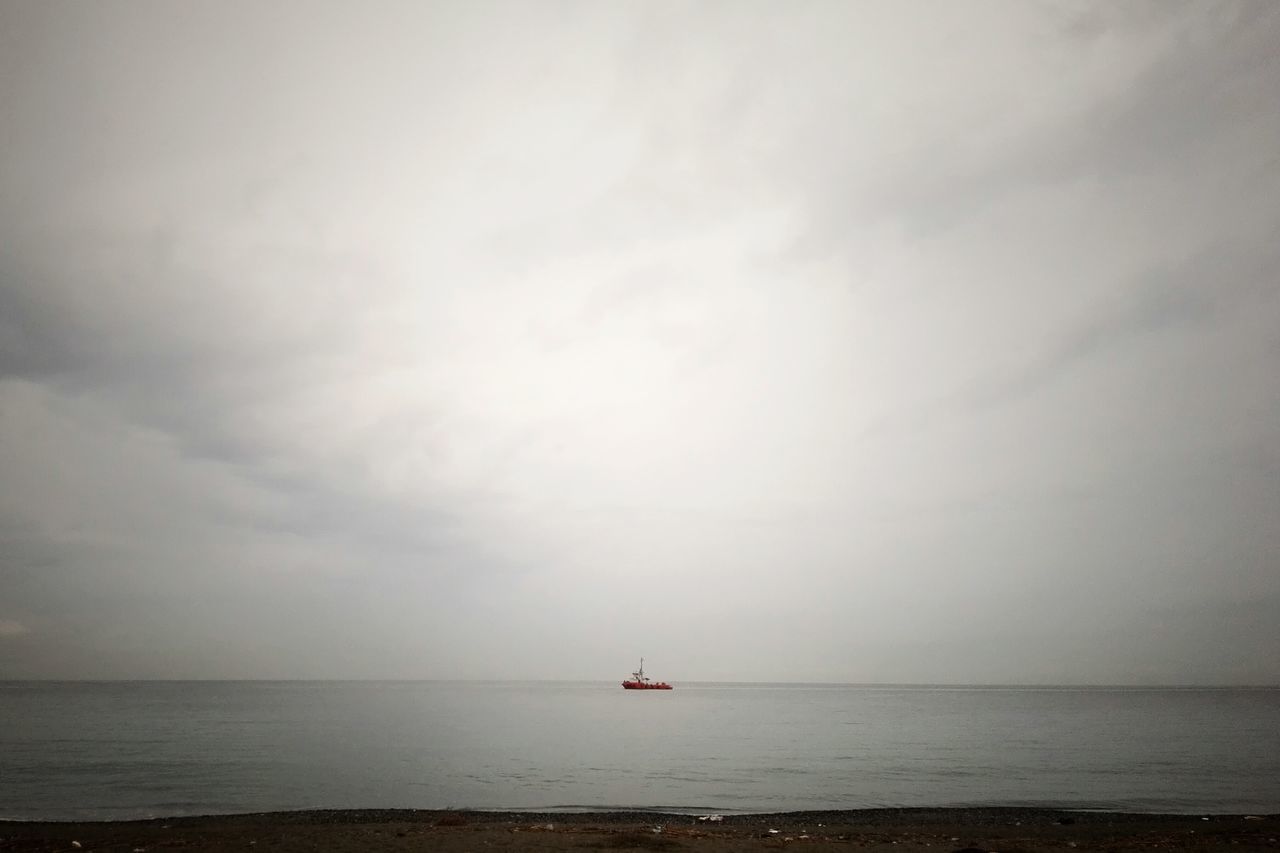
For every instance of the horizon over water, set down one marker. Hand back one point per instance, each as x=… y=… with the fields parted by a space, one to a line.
x=131 y=749
x=905 y=685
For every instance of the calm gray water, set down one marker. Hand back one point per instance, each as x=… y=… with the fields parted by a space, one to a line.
x=118 y=750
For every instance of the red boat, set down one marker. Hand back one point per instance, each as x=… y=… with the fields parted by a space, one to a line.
x=639 y=682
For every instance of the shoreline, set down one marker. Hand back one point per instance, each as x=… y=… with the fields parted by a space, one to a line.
x=1003 y=829
x=640 y=814
x=587 y=815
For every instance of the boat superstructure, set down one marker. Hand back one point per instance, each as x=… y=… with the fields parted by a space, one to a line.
x=638 y=681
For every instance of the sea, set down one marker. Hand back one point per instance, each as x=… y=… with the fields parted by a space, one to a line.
x=113 y=750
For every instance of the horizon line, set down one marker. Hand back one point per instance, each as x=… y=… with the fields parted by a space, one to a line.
x=870 y=684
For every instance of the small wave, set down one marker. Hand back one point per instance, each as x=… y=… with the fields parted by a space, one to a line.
x=582 y=808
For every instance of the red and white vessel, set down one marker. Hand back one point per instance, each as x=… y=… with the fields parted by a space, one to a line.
x=639 y=682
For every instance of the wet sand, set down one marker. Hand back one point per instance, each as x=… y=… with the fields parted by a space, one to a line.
x=899 y=830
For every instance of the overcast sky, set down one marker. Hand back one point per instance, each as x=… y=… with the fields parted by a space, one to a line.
x=844 y=341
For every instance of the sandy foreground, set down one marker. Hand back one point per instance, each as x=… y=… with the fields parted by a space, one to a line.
x=899 y=830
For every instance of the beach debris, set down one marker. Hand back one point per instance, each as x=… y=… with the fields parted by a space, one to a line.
x=773 y=832
x=1251 y=817
x=711 y=818
x=75 y=844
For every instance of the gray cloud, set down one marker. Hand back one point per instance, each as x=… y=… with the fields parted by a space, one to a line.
x=1188 y=299
x=1198 y=97
x=877 y=342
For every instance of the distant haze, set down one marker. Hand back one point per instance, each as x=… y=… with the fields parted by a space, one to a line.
x=813 y=341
